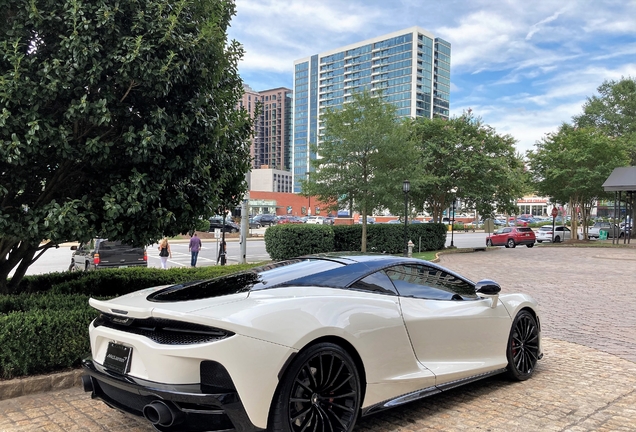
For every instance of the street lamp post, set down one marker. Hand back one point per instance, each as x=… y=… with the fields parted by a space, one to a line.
x=452 y=217
x=406 y=186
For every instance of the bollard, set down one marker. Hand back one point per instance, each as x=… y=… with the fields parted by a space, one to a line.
x=410 y=245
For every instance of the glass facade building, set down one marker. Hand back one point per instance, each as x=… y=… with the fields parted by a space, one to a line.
x=410 y=67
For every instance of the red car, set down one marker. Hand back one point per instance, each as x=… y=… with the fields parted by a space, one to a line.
x=511 y=237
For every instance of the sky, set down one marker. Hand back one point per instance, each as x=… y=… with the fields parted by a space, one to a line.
x=524 y=67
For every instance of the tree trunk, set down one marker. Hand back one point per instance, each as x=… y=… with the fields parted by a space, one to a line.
x=14 y=252
x=364 y=230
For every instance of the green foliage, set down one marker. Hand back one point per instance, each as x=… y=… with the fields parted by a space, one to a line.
x=613 y=112
x=44 y=333
x=117 y=119
x=288 y=241
x=292 y=240
x=571 y=165
x=362 y=154
x=468 y=157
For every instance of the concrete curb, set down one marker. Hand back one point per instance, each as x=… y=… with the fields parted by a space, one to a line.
x=40 y=383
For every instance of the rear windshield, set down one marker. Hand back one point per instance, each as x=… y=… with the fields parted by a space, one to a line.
x=256 y=279
x=524 y=229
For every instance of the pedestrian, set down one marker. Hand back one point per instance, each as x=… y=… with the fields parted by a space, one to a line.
x=164 y=252
x=194 y=248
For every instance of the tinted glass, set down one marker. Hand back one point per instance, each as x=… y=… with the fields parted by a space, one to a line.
x=378 y=282
x=524 y=229
x=429 y=283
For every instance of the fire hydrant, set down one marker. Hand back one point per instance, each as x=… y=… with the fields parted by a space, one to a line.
x=410 y=245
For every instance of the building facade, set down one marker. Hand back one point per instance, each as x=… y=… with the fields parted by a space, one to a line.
x=270 y=180
x=411 y=69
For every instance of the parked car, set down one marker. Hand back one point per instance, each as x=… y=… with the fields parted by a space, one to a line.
x=330 y=220
x=254 y=224
x=511 y=237
x=331 y=332
x=284 y=219
x=594 y=231
x=266 y=219
x=229 y=226
x=316 y=220
x=370 y=220
x=560 y=233
x=103 y=253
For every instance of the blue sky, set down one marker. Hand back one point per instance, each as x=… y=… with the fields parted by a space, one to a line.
x=523 y=67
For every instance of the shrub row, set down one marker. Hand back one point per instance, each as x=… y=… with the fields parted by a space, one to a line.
x=291 y=240
x=45 y=328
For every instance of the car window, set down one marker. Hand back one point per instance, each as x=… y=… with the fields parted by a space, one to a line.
x=524 y=229
x=507 y=230
x=378 y=282
x=425 y=282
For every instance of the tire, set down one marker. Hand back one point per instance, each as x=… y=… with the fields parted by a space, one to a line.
x=488 y=242
x=557 y=239
x=530 y=245
x=72 y=267
x=539 y=241
x=522 y=351
x=511 y=243
x=319 y=391
x=233 y=230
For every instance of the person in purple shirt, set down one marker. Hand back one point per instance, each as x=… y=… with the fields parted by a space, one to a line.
x=194 y=248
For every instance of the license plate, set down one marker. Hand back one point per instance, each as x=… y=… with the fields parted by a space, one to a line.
x=118 y=357
x=123 y=266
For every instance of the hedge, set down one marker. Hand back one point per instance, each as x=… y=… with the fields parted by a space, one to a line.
x=290 y=240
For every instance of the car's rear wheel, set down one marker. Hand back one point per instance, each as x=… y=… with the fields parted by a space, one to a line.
x=523 y=346
x=557 y=239
x=511 y=243
x=488 y=242
x=530 y=245
x=539 y=241
x=319 y=392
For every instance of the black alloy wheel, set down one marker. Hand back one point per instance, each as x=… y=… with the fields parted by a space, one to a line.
x=523 y=346
x=511 y=243
x=319 y=392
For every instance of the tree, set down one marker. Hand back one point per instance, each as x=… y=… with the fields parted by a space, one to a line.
x=614 y=112
x=571 y=165
x=117 y=119
x=465 y=159
x=361 y=157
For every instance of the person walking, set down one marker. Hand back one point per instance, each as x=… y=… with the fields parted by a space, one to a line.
x=194 y=248
x=164 y=252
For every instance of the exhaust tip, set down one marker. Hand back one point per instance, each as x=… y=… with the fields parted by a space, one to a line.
x=162 y=414
x=87 y=383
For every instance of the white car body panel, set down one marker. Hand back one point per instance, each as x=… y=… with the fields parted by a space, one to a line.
x=457 y=339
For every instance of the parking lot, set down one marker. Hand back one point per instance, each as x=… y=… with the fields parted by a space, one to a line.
x=585 y=382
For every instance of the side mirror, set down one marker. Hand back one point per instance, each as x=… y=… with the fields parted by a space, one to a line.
x=73 y=247
x=489 y=289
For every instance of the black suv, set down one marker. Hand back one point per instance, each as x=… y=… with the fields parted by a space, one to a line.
x=217 y=223
x=104 y=253
x=266 y=219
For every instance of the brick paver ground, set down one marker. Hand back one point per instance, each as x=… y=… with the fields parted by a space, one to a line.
x=586 y=381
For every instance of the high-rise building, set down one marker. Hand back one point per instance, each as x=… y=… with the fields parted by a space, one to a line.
x=411 y=68
x=271 y=144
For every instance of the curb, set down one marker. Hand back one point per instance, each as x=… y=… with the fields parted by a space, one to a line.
x=40 y=383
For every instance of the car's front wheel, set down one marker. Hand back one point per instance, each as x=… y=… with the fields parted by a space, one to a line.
x=319 y=392
x=523 y=346
x=511 y=243
x=557 y=239
x=530 y=245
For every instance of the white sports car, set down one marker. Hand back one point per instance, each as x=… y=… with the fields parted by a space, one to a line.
x=307 y=344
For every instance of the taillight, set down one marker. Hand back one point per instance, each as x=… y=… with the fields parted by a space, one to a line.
x=145 y=255
x=96 y=259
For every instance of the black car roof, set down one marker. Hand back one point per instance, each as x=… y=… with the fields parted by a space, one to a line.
x=335 y=270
